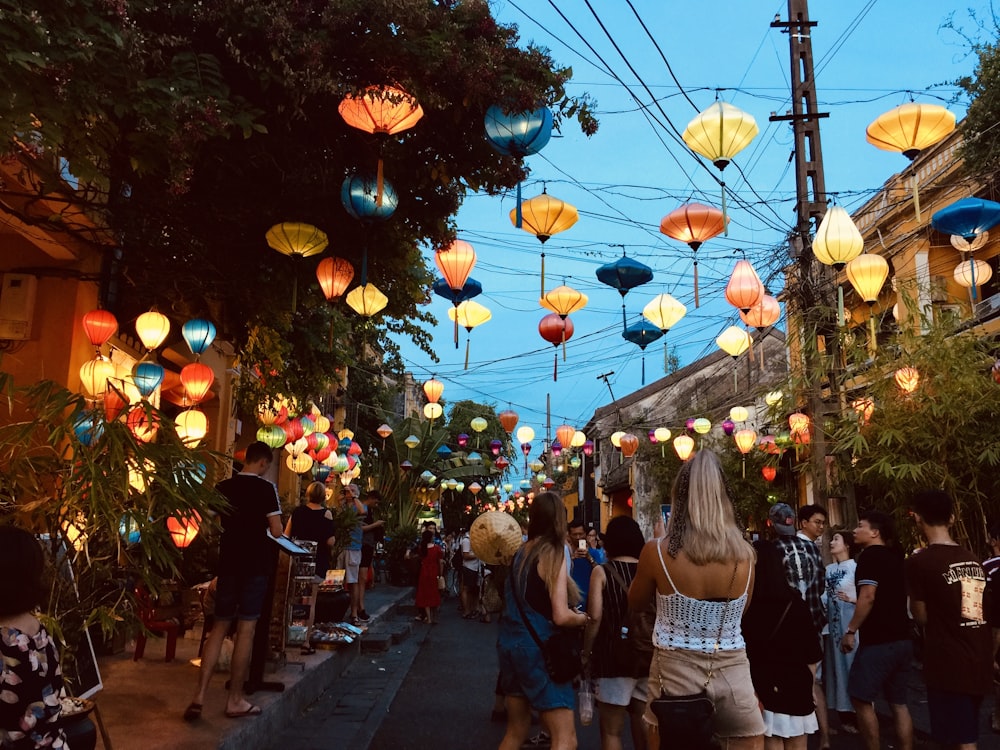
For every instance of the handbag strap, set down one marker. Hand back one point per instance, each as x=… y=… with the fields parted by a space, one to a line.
x=722 y=623
x=780 y=620
x=516 y=590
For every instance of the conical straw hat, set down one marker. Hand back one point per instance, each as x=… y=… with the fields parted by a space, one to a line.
x=495 y=537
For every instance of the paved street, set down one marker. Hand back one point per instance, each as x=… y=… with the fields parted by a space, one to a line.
x=435 y=689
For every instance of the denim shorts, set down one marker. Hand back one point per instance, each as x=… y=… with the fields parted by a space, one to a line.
x=954 y=716
x=240 y=597
x=523 y=674
x=878 y=668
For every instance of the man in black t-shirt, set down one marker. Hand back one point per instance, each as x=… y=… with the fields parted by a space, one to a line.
x=246 y=561
x=880 y=621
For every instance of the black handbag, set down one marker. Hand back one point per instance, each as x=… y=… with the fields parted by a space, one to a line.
x=562 y=652
x=687 y=719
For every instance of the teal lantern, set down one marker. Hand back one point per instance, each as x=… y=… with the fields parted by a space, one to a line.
x=199 y=335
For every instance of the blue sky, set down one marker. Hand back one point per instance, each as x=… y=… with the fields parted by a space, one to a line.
x=623 y=180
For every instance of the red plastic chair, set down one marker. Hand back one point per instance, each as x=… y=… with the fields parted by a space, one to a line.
x=169 y=628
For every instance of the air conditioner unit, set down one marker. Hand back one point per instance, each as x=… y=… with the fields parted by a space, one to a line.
x=17 y=306
x=939 y=289
x=988 y=308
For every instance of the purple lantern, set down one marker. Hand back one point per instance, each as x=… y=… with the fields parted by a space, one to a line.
x=556 y=448
x=588 y=448
x=689 y=426
x=463 y=440
x=728 y=427
x=525 y=449
x=495 y=447
x=652 y=436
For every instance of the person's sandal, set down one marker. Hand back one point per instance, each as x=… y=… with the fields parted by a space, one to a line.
x=192 y=712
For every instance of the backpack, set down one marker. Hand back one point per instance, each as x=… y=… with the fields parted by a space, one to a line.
x=457 y=558
x=636 y=650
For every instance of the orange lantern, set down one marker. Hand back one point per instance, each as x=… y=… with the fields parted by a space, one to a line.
x=864 y=407
x=143 y=424
x=565 y=434
x=745 y=439
x=508 y=420
x=197 y=379
x=564 y=300
x=745 y=288
x=184 y=530
x=907 y=378
x=798 y=423
x=693 y=224
x=99 y=325
x=683 y=445
x=769 y=472
x=629 y=444
x=114 y=403
x=433 y=389
x=765 y=313
x=334 y=276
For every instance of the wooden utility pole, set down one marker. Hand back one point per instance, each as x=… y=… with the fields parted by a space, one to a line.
x=809 y=283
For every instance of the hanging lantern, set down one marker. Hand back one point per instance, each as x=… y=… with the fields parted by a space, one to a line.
x=544 y=216
x=152 y=328
x=642 y=334
x=616 y=438
x=556 y=330
x=765 y=313
x=334 y=276
x=629 y=444
x=579 y=438
x=702 y=426
x=684 y=445
x=366 y=300
x=478 y=424
x=745 y=439
x=969 y=246
x=739 y=414
x=128 y=530
x=197 y=380
x=272 y=435
x=462 y=439
x=745 y=288
x=693 y=224
x=299 y=464
x=411 y=442
x=456 y=263
x=475 y=488
x=433 y=411
x=359 y=195
x=495 y=447
x=322 y=423
x=664 y=312
x=114 y=403
x=469 y=314
x=444 y=452
x=728 y=427
x=838 y=240
x=909 y=129
x=296 y=240
x=191 y=426
x=864 y=408
x=972 y=273
x=719 y=133
x=563 y=300
x=733 y=341
x=143 y=424
x=199 y=335
x=867 y=273
x=94 y=376
x=773 y=398
x=798 y=423
x=87 y=427
x=907 y=378
x=147 y=377
x=624 y=274
x=556 y=448
x=565 y=434
x=525 y=434
x=508 y=420
x=433 y=389
x=518 y=134
x=588 y=448
x=385 y=430
x=99 y=325
x=385 y=110
x=769 y=473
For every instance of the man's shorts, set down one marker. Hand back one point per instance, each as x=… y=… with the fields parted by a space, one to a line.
x=954 y=716
x=239 y=597
x=352 y=563
x=881 y=668
x=367 y=555
x=470 y=578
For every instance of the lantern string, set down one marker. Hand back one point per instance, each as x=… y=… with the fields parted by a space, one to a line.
x=543 y=273
x=725 y=220
x=643 y=364
x=468 y=341
x=750 y=339
x=696 y=282
x=664 y=355
x=456 y=325
x=841 y=322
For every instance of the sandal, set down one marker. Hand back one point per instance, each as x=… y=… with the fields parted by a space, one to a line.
x=192 y=712
x=251 y=711
x=470 y=616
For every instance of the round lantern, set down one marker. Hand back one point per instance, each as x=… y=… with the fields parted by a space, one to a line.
x=525 y=434
x=199 y=335
x=518 y=134
x=152 y=328
x=87 y=427
x=433 y=389
x=588 y=448
x=629 y=444
x=556 y=330
x=191 y=426
x=745 y=440
x=798 y=423
x=864 y=408
x=684 y=445
x=765 y=313
x=720 y=132
x=773 y=398
x=299 y=464
x=462 y=439
x=94 y=376
x=495 y=447
x=334 y=276
x=662 y=434
x=197 y=379
x=99 y=325
x=272 y=435
x=907 y=378
x=433 y=411
x=478 y=424
x=579 y=438
x=728 y=427
x=702 y=426
x=616 y=438
x=565 y=434
x=367 y=199
x=143 y=424
x=183 y=530
x=972 y=273
x=739 y=414
x=769 y=473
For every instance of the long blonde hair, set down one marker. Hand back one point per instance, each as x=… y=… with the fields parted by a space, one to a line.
x=546 y=543
x=702 y=520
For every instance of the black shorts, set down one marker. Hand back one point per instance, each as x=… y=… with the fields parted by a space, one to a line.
x=367 y=555
x=470 y=578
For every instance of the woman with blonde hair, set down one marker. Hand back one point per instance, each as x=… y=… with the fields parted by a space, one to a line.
x=701 y=575
x=313 y=521
x=539 y=595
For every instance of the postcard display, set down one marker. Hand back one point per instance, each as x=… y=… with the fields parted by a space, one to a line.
x=301 y=589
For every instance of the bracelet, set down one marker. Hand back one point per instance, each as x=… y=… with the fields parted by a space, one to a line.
x=850 y=632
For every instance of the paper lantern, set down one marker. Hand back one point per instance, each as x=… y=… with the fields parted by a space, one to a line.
x=910 y=128
x=642 y=334
x=966 y=246
x=616 y=438
x=191 y=426
x=579 y=438
x=867 y=273
x=508 y=420
x=739 y=414
x=563 y=300
x=565 y=434
x=478 y=424
x=152 y=328
x=361 y=197
x=95 y=376
x=720 y=132
x=183 y=530
x=433 y=389
x=864 y=407
x=114 y=403
x=588 y=448
x=128 y=529
x=769 y=473
x=296 y=239
x=501 y=463
x=765 y=313
x=456 y=262
x=773 y=398
x=518 y=134
x=907 y=378
x=198 y=334
x=684 y=445
x=412 y=441
x=197 y=379
x=272 y=435
x=838 y=240
x=147 y=377
x=693 y=224
x=745 y=440
x=556 y=330
x=624 y=274
x=462 y=439
x=728 y=427
x=334 y=276
x=798 y=422
x=664 y=312
x=629 y=444
x=433 y=411
x=525 y=434
x=299 y=464
x=385 y=110
x=468 y=314
x=143 y=424
x=733 y=341
x=88 y=427
x=495 y=447
x=384 y=431
x=702 y=426
x=662 y=434
x=366 y=300
x=99 y=325
x=745 y=288
x=972 y=273
x=543 y=216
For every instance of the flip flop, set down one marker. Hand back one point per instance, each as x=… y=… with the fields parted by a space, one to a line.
x=192 y=712
x=252 y=711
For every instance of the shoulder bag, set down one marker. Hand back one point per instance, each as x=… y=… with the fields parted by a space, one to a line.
x=687 y=719
x=563 y=650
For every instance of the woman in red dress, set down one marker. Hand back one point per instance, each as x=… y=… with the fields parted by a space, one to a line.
x=431 y=566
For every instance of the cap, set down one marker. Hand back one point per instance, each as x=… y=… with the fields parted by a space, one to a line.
x=782 y=519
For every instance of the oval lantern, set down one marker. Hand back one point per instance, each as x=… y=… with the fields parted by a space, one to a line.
x=662 y=434
x=745 y=439
x=508 y=420
x=867 y=273
x=745 y=288
x=334 y=276
x=88 y=427
x=702 y=426
x=433 y=411
x=95 y=376
x=765 y=313
x=99 y=325
x=197 y=380
x=972 y=273
x=147 y=377
x=838 y=239
x=433 y=388
x=556 y=330
x=798 y=422
x=191 y=426
x=769 y=473
x=360 y=197
x=907 y=378
x=152 y=328
x=664 y=311
x=478 y=424
x=495 y=447
x=728 y=427
x=272 y=435
x=739 y=414
x=565 y=434
x=525 y=434
x=198 y=334
x=684 y=445
x=629 y=444
x=184 y=530
x=143 y=424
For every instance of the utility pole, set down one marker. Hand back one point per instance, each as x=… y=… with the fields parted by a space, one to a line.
x=809 y=283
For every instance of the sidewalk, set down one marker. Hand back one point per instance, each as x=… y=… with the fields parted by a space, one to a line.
x=142 y=702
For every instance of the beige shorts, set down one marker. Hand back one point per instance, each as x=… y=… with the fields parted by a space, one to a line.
x=737 y=713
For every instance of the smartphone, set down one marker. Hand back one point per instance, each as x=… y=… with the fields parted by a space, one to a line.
x=582 y=544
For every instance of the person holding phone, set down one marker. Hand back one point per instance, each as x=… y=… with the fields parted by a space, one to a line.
x=583 y=559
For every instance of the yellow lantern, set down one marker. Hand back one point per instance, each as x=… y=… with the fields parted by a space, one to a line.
x=433 y=411
x=469 y=314
x=525 y=434
x=433 y=389
x=366 y=300
x=965 y=246
x=564 y=300
x=664 y=311
x=616 y=438
x=152 y=328
x=297 y=240
x=565 y=434
x=702 y=426
x=719 y=133
x=94 y=376
x=838 y=240
x=544 y=216
x=733 y=341
x=137 y=474
x=579 y=438
x=322 y=423
x=739 y=414
x=745 y=440
x=972 y=273
x=773 y=398
x=907 y=378
x=191 y=426
x=683 y=445
x=867 y=273
x=662 y=434
x=299 y=464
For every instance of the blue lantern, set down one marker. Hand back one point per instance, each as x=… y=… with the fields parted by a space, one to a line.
x=147 y=377
x=475 y=458
x=444 y=452
x=518 y=134
x=88 y=427
x=344 y=446
x=192 y=472
x=199 y=335
x=525 y=484
x=359 y=194
x=320 y=471
x=967 y=217
x=625 y=274
x=472 y=288
x=643 y=334
x=128 y=529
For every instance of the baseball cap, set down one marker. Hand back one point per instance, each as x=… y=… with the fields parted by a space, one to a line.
x=782 y=518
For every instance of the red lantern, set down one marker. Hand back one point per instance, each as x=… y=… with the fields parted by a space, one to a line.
x=184 y=530
x=99 y=325
x=508 y=419
x=556 y=330
x=143 y=424
x=293 y=428
x=197 y=379
x=114 y=404
x=769 y=472
x=334 y=276
x=501 y=463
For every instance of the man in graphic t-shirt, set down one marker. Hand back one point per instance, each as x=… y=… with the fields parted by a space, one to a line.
x=882 y=664
x=946 y=584
x=247 y=558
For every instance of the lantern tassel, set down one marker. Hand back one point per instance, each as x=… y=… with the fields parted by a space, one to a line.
x=555 y=367
x=664 y=356
x=518 y=219
x=840 y=306
x=916 y=195
x=644 y=368
x=543 y=274
x=456 y=326
x=662 y=454
x=744 y=467
x=972 y=275
x=467 y=342
x=696 y=282
x=872 y=342
x=736 y=379
x=624 y=326
x=725 y=220
x=379 y=184
x=564 y=341
x=750 y=339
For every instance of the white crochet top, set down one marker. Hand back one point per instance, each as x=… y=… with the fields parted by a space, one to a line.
x=687 y=624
